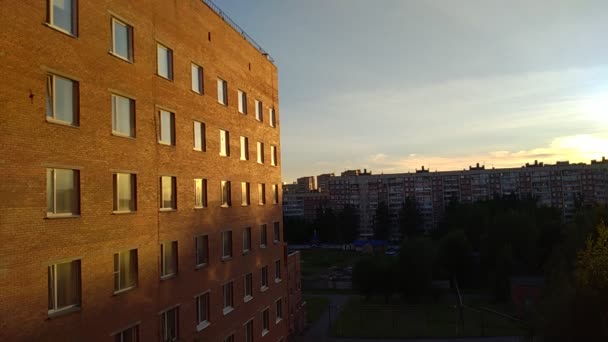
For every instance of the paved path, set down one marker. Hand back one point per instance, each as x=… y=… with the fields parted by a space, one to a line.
x=319 y=331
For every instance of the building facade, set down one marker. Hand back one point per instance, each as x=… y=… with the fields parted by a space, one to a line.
x=563 y=185
x=139 y=146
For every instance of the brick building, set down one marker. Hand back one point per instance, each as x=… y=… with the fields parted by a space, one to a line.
x=139 y=150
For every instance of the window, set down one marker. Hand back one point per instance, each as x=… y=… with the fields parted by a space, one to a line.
x=276 y=232
x=197 y=78
x=168 y=188
x=278 y=310
x=273 y=155
x=260 y=152
x=222 y=91
x=63 y=15
x=164 y=59
x=265 y=321
x=242 y=102
x=130 y=334
x=124 y=192
x=168 y=259
x=166 y=134
x=248 y=287
x=122 y=40
x=247 y=240
x=125 y=270
x=226 y=244
x=62 y=100
x=200 y=193
x=123 y=116
x=263 y=236
x=228 y=298
x=224 y=143
x=245 y=201
x=275 y=194
x=199 y=137
x=244 y=148
x=202 y=311
x=249 y=331
x=273 y=118
x=277 y=271
x=64 y=286
x=62 y=192
x=169 y=321
x=258 y=110
x=226 y=198
x=264 y=279
x=229 y=338
x=201 y=244
x=261 y=194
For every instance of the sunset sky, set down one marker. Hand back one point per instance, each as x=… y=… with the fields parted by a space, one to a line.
x=393 y=85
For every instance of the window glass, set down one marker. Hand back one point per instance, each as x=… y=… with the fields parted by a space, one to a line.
x=122 y=39
x=62 y=14
x=122 y=115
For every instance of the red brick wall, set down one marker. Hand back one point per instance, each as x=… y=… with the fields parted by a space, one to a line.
x=29 y=144
x=297 y=313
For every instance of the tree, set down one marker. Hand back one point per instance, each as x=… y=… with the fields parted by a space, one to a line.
x=364 y=277
x=382 y=222
x=326 y=227
x=348 y=224
x=296 y=230
x=415 y=267
x=410 y=219
x=455 y=254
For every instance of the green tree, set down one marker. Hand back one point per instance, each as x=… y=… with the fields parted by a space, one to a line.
x=382 y=222
x=415 y=267
x=297 y=230
x=454 y=254
x=365 y=275
x=348 y=224
x=410 y=219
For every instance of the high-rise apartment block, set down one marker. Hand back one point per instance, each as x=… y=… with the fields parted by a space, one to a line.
x=133 y=205
x=563 y=185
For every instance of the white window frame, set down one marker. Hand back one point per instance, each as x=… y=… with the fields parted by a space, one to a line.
x=242 y=99
x=273 y=117
x=263 y=235
x=265 y=321
x=116 y=114
x=129 y=57
x=259 y=110
x=164 y=320
x=249 y=330
x=222 y=91
x=132 y=254
x=260 y=152
x=248 y=286
x=173 y=181
x=264 y=278
x=276 y=232
x=134 y=326
x=52 y=282
x=164 y=263
x=273 y=155
x=227 y=254
x=204 y=242
x=169 y=53
x=247 y=240
x=245 y=194
x=162 y=112
x=117 y=176
x=278 y=310
x=228 y=297
x=277 y=271
x=200 y=199
x=201 y=129
x=76 y=210
x=73 y=15
x=197 y=70
x=51 y=91
x=225 y=202
x=224 y=143
x=275 y=194
x=202 y=324
x=244 y=148
x=261 y=193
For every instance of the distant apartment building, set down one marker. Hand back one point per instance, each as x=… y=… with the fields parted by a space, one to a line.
x=562 y=185
x=133 y=205
x=323 y=181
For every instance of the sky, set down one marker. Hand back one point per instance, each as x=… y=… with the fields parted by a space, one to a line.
x=391 y=86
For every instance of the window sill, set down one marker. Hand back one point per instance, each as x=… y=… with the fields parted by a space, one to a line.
x=224 y=206
x=263 y=288
x=64 y=311
x=276 y=241
x=60 y=216
x=247 y=299
x=244 y=159
x=199 y=266
x=227 y=258
x=121 y=135
x=247 y=251
x=123 y=212
x=278 y=320
x=168 y=276
x=227 y=310
x=167 y=210
x=61 y=30
x=223 y=104
x=166 y=144
x=197 y=149
x=62 y=123
x=262 y=246
x=264 y=332
x=245 y=205
x=123 y=58
x=278 y=280
x=121 y=291
x=164 y=78
x=202 y=325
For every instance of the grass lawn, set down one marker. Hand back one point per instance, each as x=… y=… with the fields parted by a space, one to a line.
x=315 y=306
x=375 y=320
x=318 y=261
